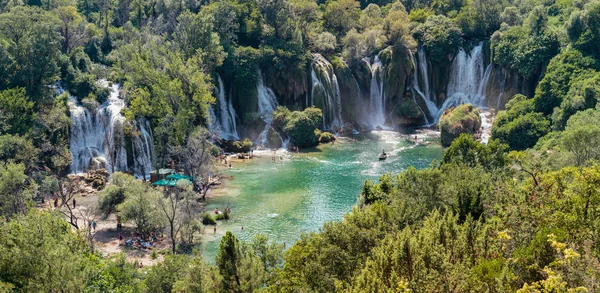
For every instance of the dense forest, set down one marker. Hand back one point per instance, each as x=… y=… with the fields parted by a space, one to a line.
x=519 y=214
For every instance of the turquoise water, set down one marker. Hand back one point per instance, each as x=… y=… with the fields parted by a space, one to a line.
x=300 y=192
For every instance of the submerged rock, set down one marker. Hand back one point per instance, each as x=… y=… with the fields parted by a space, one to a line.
x=455 y=121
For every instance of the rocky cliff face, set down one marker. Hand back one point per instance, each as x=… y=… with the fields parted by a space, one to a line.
x=395 y=88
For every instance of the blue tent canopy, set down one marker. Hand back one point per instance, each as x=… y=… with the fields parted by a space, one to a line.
x=177 y=176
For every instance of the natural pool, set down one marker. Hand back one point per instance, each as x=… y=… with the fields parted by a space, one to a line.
x=301 y=192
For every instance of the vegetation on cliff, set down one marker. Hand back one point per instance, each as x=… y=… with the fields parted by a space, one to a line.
x=456 y=121
x=301 y=126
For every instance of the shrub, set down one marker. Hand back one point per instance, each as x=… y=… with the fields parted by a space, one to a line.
x=300 y=126
x=326 y=137
x=462 y=119
x=207 y=219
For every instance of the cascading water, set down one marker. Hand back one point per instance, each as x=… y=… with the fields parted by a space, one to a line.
x=421 y=75
x=223 y=123
x=110 y=115
x=376 y=107
x=143 y=148
x=97 y=138
x=468 y=80
x=325 y=82
x=87 y=138
x=267 y=103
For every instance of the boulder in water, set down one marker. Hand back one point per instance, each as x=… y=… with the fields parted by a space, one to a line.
x=326 y=137
x=407 y=113
x=455 y=121
x=274 y=138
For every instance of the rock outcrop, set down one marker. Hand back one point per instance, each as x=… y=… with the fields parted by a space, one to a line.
x=455 y=121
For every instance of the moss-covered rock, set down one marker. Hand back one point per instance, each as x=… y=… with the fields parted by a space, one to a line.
x=236 y=146
x=398 y=66
x=407 y=113
x=326 y=137
x=274 y=138
x=300 y=126
x=455 y=121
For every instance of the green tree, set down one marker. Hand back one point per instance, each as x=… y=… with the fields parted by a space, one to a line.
x=194 y=35
x=40 y=253
x=198 y=277
x=228 y=260
x=16 y=189
x=16 y=112
x=341 y=15
x=555 y=84
x=115 y=193
x=582 y=136
x=140 y=207
x=31 y=48
x=73 y=28
x=162 y=276
x=519 y=126
x=440 y=37
x=583 y=28
x=172 y=206
x=19 y=150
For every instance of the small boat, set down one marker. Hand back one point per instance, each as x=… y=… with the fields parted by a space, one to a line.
x=383 y=156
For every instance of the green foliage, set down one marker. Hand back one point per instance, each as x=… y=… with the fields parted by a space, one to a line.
x=40 y=253
x=171 y=89
x=582 y=136
x=466 y=150
x=194 y=34
x=208 y=219
x=18 y=149
x=16 y=112
x=116 y=274
x=341 y=16
x=113 y=195
x=454 y=122
x=555 y=84
x=326 y=137
x=300 y=126
x=243 y=146
x=518 y=126
x=419 y=15
x=584 y=93
x=525 y=49
x=229 y=261
x=34 y=31
x=440 y=37
x=480 y=18
x=583 y=28
x=16 y=189
x=140 y=207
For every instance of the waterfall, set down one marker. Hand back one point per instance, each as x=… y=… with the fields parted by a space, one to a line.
x=376 y=107
x=325 y=82
x=224 y=122
x=110 y=115
x=468 y=80
x=143 y=148
x=97 y=139
x=421 y=76
x=87 y=138
x=267 y=103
